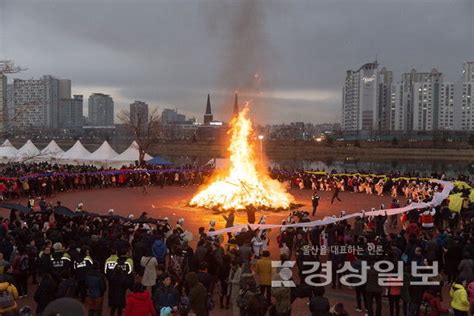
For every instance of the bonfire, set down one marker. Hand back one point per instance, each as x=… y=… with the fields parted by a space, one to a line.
x=244 y=183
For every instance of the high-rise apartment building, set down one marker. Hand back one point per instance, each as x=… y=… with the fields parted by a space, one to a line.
x=421 y=101
x=425 y=100
x=468 y=71
x=384 y=98
x=359 y=100
x=139 y=113
x=36 y=101
x=101 y=110
x=71 y=112
x=3 y=103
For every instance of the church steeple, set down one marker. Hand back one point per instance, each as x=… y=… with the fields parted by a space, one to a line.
x=236 y=105
x=208 y=115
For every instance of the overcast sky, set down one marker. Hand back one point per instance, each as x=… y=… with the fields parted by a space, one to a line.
x=289 y=57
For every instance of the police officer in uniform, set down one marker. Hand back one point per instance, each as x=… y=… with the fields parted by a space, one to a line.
x=60 y=261
x=81 y=265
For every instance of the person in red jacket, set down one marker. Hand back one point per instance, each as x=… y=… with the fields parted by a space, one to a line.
x=139 y=302
x=434 y=301
x=413 y=229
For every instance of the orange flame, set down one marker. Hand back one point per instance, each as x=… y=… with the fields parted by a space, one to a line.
x=242 y=184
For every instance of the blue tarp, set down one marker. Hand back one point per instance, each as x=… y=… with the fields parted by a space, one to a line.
x=158 y=161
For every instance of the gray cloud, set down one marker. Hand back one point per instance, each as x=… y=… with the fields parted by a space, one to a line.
x=172 y=53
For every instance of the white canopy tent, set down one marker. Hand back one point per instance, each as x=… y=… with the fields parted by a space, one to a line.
x=104 y=153
x=52 y=151
x=75 y=153
x=27 y=151
x=130 y=155
x=7 y=150
x=7 y=143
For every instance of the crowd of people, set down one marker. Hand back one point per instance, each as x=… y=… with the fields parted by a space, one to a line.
x=44 y=179
x=148 y=267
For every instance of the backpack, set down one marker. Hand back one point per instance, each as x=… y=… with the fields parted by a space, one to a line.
x=6 y=299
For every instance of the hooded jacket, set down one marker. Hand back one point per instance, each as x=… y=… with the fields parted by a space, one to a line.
x=139 y=304
x=159 y=250
x=459 y=298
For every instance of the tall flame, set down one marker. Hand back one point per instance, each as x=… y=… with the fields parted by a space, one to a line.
x=242 y=184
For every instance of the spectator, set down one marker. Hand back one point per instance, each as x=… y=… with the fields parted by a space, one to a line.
x=20 y=264
x=223 y=276
x=45 y=293
x=166 y=295
x=139 y=302
x=373 y=292
x=119 y=282
x=282 y=296
x=197 y=295
x=459 y=302
x=263 y=270
x=150 y=263
x=96 y=286
x=318 y=304
x=159 y=249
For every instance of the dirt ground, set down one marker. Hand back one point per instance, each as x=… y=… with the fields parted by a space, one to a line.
x=171 y=202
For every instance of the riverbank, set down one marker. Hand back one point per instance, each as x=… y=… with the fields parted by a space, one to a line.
x=294 y=150
x=290 y=151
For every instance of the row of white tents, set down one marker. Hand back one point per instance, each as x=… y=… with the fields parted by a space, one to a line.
x=77 y=154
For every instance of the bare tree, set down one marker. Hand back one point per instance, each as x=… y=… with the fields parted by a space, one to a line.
x=144 y=126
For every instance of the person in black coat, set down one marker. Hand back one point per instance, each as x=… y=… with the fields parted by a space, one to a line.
x=45 y=293
x=318 y=304
x=119 y=283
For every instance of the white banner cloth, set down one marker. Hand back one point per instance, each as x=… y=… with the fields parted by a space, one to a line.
x=438 y=198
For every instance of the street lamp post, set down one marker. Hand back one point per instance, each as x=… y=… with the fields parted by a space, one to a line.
x=260 y=138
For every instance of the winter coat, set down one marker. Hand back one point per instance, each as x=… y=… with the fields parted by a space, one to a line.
x=139 y=304
x=466 y=269
x=197 y=295
x=263 y=269
x=470 y=291
x=149 y=275
x=459 y=298
x=10 y=288
x=165 y=296
x=319 y=306
x=45 y=293
x=159 y=250
x=372 y=282
x=95 y=283
x=119 y=283
x=435 y=303
x=234 y=277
